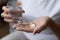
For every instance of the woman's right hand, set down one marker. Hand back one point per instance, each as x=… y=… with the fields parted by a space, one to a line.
x=6 y=15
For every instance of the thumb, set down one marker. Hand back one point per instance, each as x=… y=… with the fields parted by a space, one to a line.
x=35 y=30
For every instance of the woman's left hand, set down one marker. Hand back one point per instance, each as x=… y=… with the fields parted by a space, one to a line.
x=36 y=26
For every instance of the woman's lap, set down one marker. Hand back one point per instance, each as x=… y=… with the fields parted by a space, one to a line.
x=18 y=35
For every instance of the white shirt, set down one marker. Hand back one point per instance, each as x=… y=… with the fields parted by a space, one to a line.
x=37 y=8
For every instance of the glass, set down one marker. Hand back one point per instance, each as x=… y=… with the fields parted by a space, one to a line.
x=16 y=14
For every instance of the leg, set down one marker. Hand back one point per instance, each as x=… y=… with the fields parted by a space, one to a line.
x=15 y=36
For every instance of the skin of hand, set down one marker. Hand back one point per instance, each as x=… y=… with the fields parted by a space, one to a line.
x=23 y=27
x=6 y=15
x=40 y=24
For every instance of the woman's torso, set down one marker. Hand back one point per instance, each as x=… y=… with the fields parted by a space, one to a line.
x=36 y=8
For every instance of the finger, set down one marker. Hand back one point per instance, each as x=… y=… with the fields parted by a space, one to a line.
x=24 y=25
x=19 y=25
x=34 y=32
x=6 y=15
x=14 y=26
x=5 y=8
x=8 y=20
x=24 y=29
x=38 y=29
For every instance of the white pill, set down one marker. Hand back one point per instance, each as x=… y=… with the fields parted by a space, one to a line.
x=33 y=25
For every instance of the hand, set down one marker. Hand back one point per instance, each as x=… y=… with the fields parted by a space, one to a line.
x=23 y=27
x=5 y=14
x=40 y=24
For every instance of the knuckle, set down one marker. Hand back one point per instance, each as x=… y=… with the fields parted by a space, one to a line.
x=3 y=7
x=2 y=14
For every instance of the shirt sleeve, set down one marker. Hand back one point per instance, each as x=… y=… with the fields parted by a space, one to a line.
x=56 y=17
x=55 y=12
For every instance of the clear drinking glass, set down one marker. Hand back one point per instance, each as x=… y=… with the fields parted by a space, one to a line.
x=15 y=11
x=16 y=14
